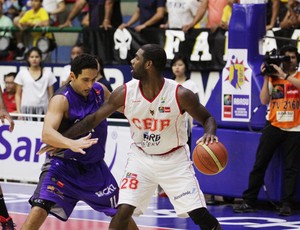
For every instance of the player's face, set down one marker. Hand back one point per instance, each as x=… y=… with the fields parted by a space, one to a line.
x=84 y=82
x=137 y=65
x=178 y=68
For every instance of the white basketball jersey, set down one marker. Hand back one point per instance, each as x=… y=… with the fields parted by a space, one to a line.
x=156 y=126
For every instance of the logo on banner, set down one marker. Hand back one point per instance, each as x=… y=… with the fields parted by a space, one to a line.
x=236 y=87
x=122 y=40
x=236 y=76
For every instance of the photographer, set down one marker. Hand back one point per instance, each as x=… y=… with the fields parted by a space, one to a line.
x=281 y=91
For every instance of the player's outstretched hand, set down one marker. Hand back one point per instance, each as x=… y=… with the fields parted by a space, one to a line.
x=77 y=146
x=85 y=142
x=207 y=138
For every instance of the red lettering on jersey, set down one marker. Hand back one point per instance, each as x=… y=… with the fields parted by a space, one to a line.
x=137 y=123
x=147 y=123
x=164 y=123
x=151 y=124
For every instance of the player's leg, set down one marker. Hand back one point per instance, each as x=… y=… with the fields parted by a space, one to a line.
x=188 y=197
x=136 y=189
x=38 y=214
x=123 y=218
x=132 y=225
x=5 y=219
x=204 y=219
x=107 y=201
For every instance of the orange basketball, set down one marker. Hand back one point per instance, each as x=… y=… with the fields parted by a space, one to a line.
x=210 y=159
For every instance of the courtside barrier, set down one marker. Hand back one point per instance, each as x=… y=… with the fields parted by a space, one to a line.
x=18 y=159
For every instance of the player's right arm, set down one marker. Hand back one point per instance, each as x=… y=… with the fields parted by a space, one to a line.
x=114 y=102
x=57 y=110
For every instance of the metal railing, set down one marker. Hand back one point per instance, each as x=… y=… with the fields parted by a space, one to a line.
x=44 y=29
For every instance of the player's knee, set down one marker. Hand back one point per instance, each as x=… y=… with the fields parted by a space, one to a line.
x=204 y=219
x=44 y=204
x=125 y=211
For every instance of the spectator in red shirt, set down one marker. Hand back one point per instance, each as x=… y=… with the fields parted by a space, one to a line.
x=9 y=92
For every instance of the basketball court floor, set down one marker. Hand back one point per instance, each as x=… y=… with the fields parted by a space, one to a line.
x=159 y=215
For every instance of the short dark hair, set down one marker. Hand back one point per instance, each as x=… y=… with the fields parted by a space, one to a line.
x=83 y=61
x=289 y=48
x=11 y=74
x=156 y=54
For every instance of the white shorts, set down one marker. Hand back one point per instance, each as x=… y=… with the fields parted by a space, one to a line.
x=174 y=172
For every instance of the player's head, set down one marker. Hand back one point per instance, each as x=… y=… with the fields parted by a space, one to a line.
x=150 y=57
x=156 y=54
x=84 y=71
x=83 y=61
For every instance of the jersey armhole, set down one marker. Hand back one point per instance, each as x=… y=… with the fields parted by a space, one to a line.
x=177 y=102
x=125 y=93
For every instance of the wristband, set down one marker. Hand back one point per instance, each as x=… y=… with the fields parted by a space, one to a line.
x=286 y=77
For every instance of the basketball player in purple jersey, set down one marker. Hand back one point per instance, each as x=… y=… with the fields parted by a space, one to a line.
x=78 y=172
x=155 y=108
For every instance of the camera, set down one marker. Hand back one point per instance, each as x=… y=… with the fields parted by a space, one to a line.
x=273 y=57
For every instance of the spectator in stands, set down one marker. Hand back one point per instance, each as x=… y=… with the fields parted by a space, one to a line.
x=5 y=22
x=34 y=85
x=214 y=9
x=281 y=90
x=54 y=8
x=292 y=17
x=227 y=11
x=9 y=92
x=180 y=70
x=11 y=8
x=5 y=220
x=148 y=13
x=276 y=10
x=102 y=13
x=36 y=16
x=76 y=50
x=182 y=12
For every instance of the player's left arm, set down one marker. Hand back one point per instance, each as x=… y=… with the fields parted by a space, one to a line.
x=107 y=94
x=58 y=109
x=189 y=102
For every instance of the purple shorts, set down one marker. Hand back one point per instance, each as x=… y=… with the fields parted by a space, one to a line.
x=65 y=182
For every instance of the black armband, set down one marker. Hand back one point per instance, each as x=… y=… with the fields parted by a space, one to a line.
x=287 y=76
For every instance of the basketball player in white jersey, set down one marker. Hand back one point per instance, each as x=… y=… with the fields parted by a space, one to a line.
x=155 y=108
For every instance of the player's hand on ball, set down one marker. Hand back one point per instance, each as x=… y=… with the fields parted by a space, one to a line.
x=207 y=138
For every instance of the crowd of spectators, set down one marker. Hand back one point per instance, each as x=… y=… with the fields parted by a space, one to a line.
x=165 y=14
